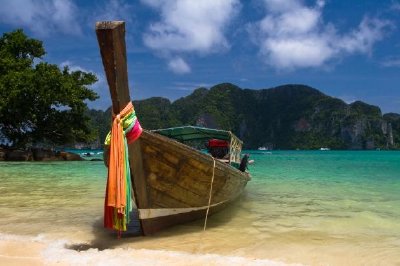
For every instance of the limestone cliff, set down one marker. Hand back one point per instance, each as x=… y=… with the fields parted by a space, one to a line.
x=285 y=117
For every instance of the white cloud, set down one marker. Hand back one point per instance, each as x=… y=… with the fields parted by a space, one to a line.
x=362 y=39
x=395 y=6
x=190 y=26
x=72 y=67
x=188 y=86
x=293 y=35
x=391 y=62
x=100 y=87
x=281 y=6
x=101 y=81
x=179 y=66
x=114 y=10
x=40 y=16
x=348 y=98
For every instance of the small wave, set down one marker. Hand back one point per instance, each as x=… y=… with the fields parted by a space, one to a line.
x=57 y=253
x=52 y=252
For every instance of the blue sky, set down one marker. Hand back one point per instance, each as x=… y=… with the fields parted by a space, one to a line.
x=346 y=49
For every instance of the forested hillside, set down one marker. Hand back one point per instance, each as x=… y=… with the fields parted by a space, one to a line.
x=285 y=117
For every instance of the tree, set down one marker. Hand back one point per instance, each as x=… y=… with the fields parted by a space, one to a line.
x=39 y=102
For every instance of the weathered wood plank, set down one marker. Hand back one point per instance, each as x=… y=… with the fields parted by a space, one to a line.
x=111 y=39
x=187 y=182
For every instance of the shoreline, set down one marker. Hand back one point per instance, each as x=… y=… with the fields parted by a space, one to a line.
x=21 y=250
x=40 y=250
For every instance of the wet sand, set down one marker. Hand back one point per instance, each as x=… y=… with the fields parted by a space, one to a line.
x=26 y=252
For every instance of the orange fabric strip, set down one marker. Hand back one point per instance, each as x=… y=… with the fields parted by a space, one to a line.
x=116 y=185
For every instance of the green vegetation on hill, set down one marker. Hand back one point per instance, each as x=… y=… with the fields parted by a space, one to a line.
x=156 y=112
x=285 y=117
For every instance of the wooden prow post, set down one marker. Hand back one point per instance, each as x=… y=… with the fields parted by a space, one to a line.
x=111 y=38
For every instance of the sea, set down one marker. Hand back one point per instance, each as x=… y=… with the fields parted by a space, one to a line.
x=299 y=208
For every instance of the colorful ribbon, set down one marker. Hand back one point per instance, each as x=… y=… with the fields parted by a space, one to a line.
x=118 y=200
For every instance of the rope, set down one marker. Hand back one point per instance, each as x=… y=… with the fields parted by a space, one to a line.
x=209 y=198
x=118 y=200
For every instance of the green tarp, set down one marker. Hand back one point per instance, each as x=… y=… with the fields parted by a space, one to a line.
x=187 y=133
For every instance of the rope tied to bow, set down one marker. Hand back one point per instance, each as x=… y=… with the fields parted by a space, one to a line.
x=210 y=195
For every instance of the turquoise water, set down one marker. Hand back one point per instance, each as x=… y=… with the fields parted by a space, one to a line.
x=308 y=207
x=333 y=186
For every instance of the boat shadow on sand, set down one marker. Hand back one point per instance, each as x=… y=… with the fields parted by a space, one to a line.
x=108 y=239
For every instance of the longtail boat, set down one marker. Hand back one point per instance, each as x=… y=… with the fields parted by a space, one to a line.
x=171 y=181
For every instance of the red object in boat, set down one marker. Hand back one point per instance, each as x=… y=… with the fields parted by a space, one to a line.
x=217 y=143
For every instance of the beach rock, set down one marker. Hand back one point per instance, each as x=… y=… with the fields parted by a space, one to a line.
x=40 y=154
x=2 y=154
x=19 y=155
x=69 y=156
x=37 y=154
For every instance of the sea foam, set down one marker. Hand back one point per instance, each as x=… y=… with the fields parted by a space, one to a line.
x=57 y=252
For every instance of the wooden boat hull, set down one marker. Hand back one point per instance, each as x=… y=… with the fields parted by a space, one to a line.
x=177 y=181
x=152 y=225
x=171 y=181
